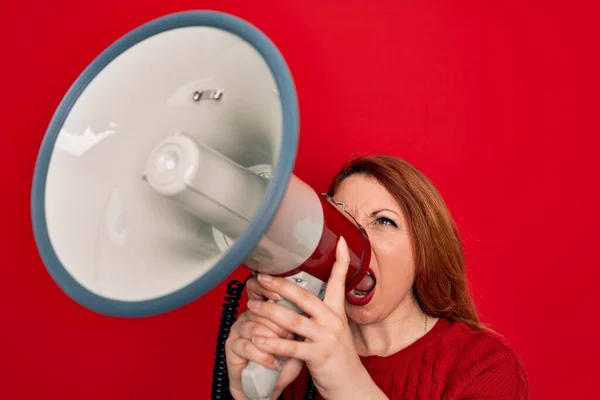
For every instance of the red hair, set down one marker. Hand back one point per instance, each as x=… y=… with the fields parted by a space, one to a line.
x=440 y=285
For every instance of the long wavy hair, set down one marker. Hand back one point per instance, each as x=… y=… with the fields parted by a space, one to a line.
x=440 y=285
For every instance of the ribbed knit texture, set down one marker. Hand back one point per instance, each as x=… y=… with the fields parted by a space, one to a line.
x=452 y=361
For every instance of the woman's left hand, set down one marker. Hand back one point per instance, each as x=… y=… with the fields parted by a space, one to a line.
x=328 y=349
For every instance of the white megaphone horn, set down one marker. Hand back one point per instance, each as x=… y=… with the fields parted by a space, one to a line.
x=169 y=163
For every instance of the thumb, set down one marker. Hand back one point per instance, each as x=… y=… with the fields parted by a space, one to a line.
x=335 y=292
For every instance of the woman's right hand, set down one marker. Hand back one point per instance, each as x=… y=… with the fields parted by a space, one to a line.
x=239 y=349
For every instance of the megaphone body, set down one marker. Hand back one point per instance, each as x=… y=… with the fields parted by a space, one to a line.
x=169 y=163
x=303 y=233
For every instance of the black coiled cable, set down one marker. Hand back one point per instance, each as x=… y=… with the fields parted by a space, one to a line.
x=311 y=389
x=220 y=384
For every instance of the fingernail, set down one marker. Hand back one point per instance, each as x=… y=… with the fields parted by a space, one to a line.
x=265 y=278
x=342 y=243
x=254 y=303
x=258 y=339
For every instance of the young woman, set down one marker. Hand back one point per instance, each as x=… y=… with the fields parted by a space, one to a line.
x=411 y=332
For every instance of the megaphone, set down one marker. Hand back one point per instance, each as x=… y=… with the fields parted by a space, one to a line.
x=169 y=163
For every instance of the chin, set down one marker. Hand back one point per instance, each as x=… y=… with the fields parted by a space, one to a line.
x=362 y=314
x=360 y=317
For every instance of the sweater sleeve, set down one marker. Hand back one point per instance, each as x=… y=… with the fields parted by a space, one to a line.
x=500 y=376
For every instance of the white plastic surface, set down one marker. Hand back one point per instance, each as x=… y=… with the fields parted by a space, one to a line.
x=294 y=233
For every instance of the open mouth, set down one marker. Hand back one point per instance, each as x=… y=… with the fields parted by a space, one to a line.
x=363 y=293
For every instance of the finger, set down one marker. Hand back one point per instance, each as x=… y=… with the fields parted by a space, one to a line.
x=233 y=358
x=256 y=291
x=335 y=291
x=287 y=319
x=235 y=364
x=245 y=351
x=249 y=316
x=238 y=353
x=302 y=298
x=252 y=328
x=284 y=347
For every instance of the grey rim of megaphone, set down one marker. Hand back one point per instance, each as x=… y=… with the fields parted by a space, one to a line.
x=257 y=227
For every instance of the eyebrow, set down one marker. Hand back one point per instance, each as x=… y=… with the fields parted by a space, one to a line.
x=374 y=213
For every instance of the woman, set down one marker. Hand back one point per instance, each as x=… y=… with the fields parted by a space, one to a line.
x=411 y=333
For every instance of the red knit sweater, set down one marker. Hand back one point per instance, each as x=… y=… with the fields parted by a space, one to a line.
x=452 y=361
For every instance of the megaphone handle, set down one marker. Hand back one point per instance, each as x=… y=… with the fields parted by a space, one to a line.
x=258 y=381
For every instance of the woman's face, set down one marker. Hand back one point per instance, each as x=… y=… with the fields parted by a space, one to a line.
x=391 y=258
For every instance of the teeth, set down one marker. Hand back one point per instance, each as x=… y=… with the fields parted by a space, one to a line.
x=356 y=293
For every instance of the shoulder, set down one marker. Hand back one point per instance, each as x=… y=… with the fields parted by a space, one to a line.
x=488 y=364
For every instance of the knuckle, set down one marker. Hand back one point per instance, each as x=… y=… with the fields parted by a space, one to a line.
x=271 y=329
x=253 y=288
x=258 y=330
x=276 y=329
x=251 y=329
x=246 y=350
x=245 y=330
x=264 y=358
x=283 y=333
x=296 y=320
x=305 y=294
x=246 y=347
x=252 y=284
x=237 y=347
x=293 y=347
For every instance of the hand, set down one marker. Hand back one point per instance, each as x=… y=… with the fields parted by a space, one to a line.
x=239 y=349
x=328 y=350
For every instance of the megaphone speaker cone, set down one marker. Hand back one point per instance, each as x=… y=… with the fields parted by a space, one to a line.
x=108 y=238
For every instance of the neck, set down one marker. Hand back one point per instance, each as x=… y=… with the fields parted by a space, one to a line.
x=404 y=326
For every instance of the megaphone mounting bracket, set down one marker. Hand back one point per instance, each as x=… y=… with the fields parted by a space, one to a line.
x=213 y=94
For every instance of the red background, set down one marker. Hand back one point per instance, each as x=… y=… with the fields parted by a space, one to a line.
x=497 y=103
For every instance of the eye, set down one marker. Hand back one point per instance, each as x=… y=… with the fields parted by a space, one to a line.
x=385 y=221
